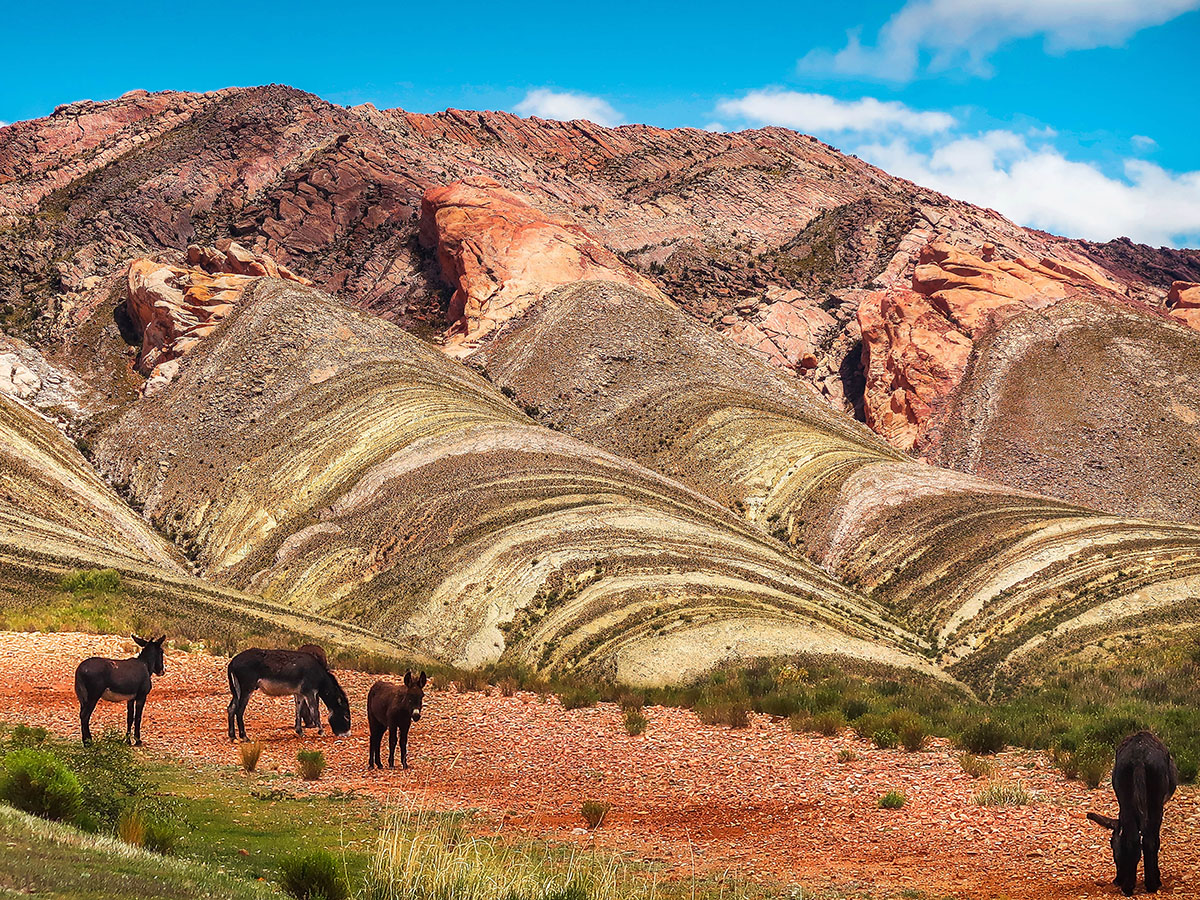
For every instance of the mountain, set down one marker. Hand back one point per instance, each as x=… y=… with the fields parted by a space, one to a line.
x=632 y=400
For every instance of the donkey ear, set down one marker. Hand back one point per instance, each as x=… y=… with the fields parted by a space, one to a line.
x=137 y=640
x=158 y=640
x=408 y=678
x=1105 y=821
x=421 y=681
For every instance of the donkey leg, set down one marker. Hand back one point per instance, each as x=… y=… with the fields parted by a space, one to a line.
x=1150 y=842
x=128 y=720
x=391 y=746
x=239 y=714
x=314 y=707
x=299 y=724
x=232 y=710
x=404 y=726
x=376 y=740
x=139 y=705
x=85 y=719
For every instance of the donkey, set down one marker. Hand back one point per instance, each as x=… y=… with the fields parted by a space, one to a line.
x=1144 y=777
x=310 y=713
x=119 y=681
x=278 y=673
x=393 y=707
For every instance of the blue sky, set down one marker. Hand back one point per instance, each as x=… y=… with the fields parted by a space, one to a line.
x=1078 y=116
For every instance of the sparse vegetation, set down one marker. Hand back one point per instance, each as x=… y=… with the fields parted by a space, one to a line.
x=846 y=755
x=92 y=581
x=985 y=736
x=975 y=766
x=313 y=875
x=594 y=812
x=249 y=753
x=311 y=763
x=421 y=857
x=885 y=739
x=635 y=721
x=892 y=800
x=1003 y=793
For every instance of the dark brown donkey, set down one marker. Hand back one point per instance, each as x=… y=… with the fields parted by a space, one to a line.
x=118 y=681
x=281 y=673
x=310 y=712
x=1144 y=777
x=393 y=707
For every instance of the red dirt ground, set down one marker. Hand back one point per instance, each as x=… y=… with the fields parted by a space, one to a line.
x=760 y=802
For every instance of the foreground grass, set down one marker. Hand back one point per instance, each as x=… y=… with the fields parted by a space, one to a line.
x=49 y=859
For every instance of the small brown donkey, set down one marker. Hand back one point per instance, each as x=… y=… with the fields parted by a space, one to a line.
x=393 y=707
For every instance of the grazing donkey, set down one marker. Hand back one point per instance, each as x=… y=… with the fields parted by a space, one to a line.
x=310 y=712
x=393 y=707
x=118 y=681
x=1144 y=778
x=279 y=673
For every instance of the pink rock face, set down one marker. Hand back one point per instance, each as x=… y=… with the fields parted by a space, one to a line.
x=1183 y=302
x=912 y=358
x=174 y=308
x=916 y=343
x=501 y=255
x=786 y=331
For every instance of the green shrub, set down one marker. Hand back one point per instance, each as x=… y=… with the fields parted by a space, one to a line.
x=723 y=712
x=579 y=696
x=974 y=765
x=110 y=777
x=635 y=721
x=828 y=723
x=800 y=722
x=1089 y=763
x=846 y=756
x=37 y=782
x=153 y=828
x=92 y=580
x=315 y=875
x=1003 y=793
x=312 y=764
x=892 y=800
x=985 y=736
x=914 y=736
x=594 y=811
x=885 y=739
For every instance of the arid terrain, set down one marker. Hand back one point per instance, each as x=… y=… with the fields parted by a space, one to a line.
x=761 y=802
x=565 y=405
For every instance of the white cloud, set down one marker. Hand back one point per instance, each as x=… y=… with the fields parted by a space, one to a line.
x=822 y=113
x=964 y=33
x=1143 y=142
x=1035 y=185
x=566 y=106
x=714 y=126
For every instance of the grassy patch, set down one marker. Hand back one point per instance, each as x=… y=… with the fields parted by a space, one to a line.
x=53 y=859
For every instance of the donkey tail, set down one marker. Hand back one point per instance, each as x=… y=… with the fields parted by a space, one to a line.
x=234 y=684
x=1140 y=795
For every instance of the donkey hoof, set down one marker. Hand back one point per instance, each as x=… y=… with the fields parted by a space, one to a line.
x=137 y=743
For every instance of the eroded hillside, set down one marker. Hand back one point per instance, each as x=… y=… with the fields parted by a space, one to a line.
x=324 y=458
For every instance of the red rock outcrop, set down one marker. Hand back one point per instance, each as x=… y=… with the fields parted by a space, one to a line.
x=174 y=308
x=787 y=330
x=501 y=255
x=1183 y=302
x=916 y=343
